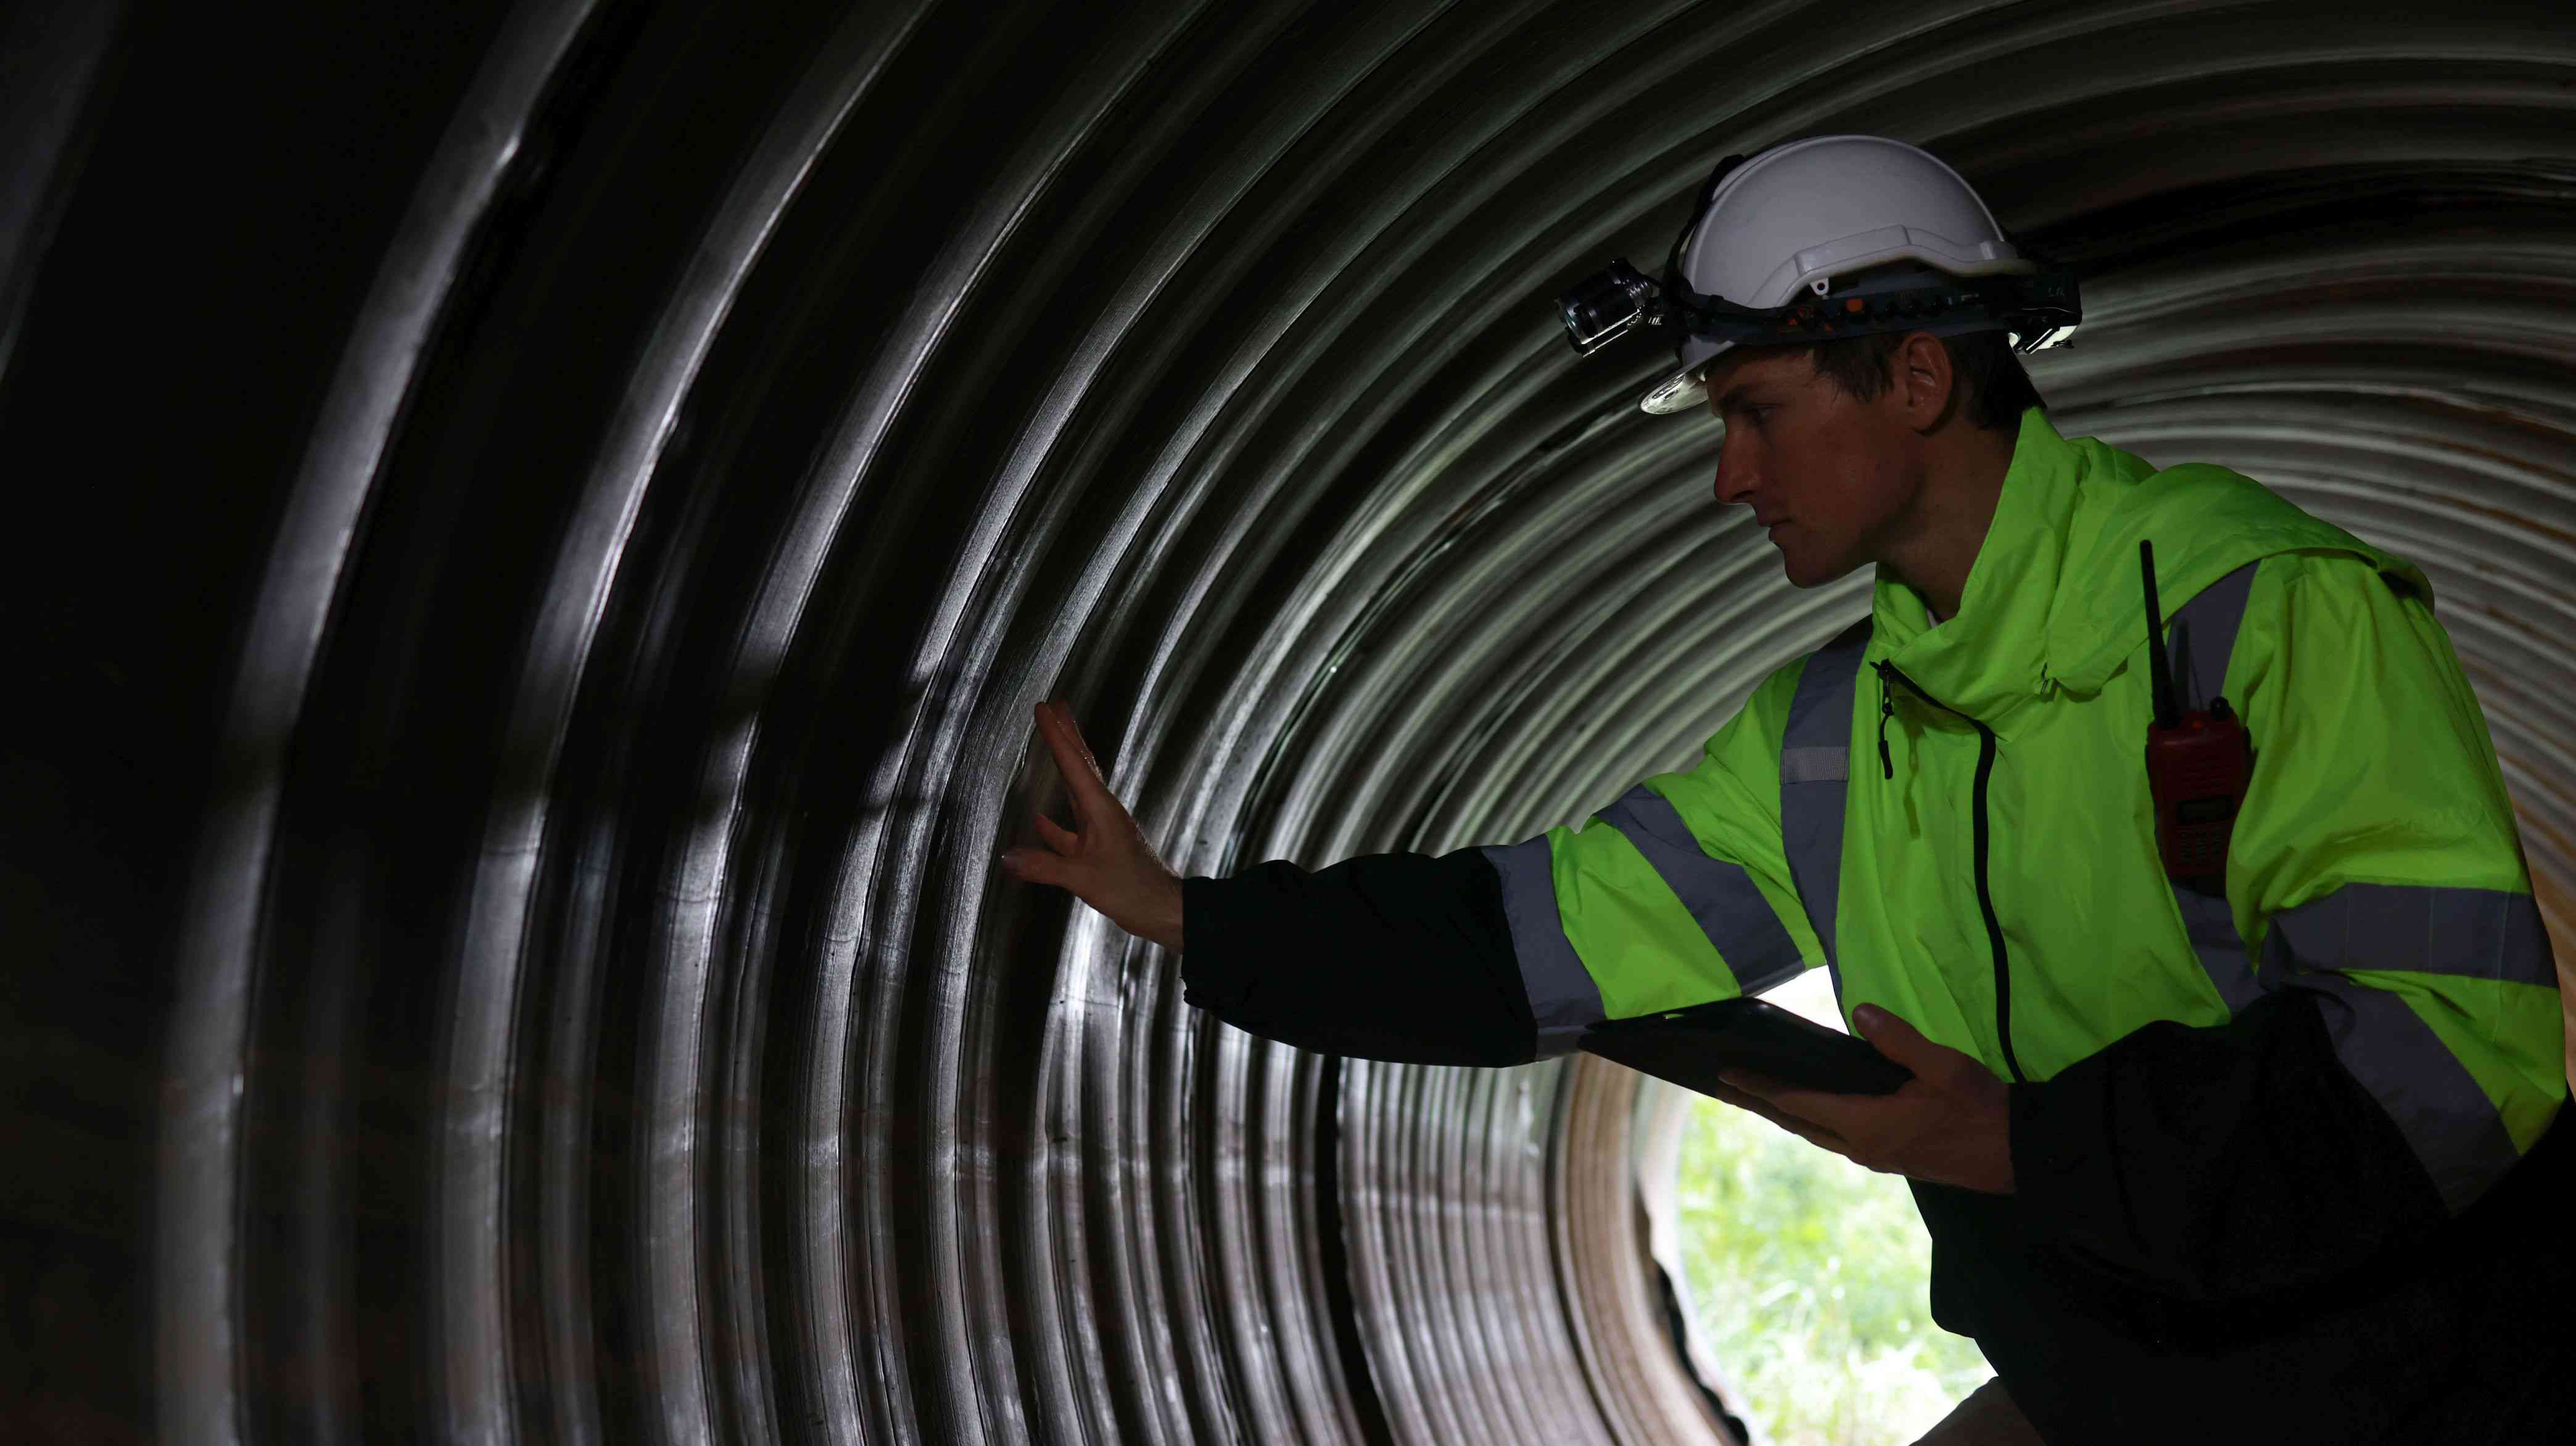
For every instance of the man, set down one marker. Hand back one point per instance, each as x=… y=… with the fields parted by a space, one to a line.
x=2264 y=1151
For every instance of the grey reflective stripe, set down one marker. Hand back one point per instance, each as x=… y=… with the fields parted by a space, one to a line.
x=1814 y=788
x=1563 y=999
x=1815 y=765
x=1720 y=895
x=2204 y=635
x=2379 y=1038
x=2474 y=933
x=2435 y=1101
x=2212 y=927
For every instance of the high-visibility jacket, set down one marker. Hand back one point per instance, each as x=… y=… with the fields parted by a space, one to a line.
x=1956 y=820
x=2228 y=1110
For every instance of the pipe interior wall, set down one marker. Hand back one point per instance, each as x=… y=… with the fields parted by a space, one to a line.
x=540 y=527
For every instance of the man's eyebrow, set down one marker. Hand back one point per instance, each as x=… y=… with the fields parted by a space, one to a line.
x=1735 y=394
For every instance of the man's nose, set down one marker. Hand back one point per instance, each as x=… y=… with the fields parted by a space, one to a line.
x=1734 y=479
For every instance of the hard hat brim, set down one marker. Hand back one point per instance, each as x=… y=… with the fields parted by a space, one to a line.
x=1687 y=389
x=1684 y=390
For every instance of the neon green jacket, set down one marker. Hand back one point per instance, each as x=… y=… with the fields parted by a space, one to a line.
x=1956 y=820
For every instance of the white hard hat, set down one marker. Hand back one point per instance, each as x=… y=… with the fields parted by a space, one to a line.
x=1802 y=213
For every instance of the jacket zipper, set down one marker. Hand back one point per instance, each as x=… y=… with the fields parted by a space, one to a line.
x=1985 y=893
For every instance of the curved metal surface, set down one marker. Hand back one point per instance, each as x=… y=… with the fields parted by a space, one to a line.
x=586 y=1010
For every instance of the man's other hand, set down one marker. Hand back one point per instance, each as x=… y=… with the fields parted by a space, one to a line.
x=1951 y=1124
x=1104 y=858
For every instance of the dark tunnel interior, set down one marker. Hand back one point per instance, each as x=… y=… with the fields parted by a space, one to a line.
x=535 y=532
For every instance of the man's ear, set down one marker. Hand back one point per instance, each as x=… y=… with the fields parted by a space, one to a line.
x=1930 y=383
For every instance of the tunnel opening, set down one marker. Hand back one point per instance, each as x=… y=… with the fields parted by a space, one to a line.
x=1803 y=1278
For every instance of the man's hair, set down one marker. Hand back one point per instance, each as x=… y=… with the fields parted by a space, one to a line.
x=1989 y=370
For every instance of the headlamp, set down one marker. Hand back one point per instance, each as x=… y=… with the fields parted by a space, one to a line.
x=1607 y=304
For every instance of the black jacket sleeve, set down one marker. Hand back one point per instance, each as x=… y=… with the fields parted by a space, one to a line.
x=2219 y=1163
x=1402 y=957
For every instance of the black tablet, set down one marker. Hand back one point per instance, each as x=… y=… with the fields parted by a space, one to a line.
x=1691 y=1046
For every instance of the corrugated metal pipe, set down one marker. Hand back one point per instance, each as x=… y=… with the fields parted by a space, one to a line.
x=538 y=529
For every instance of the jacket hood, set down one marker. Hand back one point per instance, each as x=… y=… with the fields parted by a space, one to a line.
x=2055 y=601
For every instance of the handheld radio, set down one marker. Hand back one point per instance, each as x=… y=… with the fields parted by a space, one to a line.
x=2198 y=762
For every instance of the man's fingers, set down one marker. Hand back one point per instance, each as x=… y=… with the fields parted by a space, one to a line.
x=1901 y=1041
x=1093 y=804
x=1821 y=1108
x=1072 y=760
x=1057 y=836
x=1812 y=1134
x=1032 y=865
x=1816 y=1135
x=1081 y=750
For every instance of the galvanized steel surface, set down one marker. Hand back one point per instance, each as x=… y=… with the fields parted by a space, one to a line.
x=590 y=1013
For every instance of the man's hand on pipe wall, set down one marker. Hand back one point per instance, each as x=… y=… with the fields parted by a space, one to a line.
x=1104 y=858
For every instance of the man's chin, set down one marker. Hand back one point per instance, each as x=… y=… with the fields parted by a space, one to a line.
x=1804 y=572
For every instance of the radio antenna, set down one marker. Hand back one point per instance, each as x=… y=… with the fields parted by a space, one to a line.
x=2166 y=715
